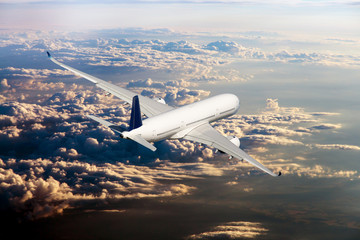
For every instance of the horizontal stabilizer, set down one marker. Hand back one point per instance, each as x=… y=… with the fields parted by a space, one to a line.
x=115 y=128
x=99 y=120
x=143 y=142
x=118 y=129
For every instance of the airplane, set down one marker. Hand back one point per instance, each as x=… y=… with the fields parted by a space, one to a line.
x=189 y=122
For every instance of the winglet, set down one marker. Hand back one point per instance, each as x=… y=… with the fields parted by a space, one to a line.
x=49 y=55
x=279 y=174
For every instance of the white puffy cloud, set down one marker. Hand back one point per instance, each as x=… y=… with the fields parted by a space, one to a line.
x=180 y=46
x=236 y=49
x=68 y=153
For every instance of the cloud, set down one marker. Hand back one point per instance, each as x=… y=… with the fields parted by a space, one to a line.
x=318 y=171
x=271 y=139
x=234 y=48
x=43 y=187
x=326 y=126
x=335 y=146
x=35 y=73
x=149 y=83
x=233 y=230
x=348 y=61
x=181 y=46
x=173 y=92
x=276 y=125
x=4 y=85
x=187 y=60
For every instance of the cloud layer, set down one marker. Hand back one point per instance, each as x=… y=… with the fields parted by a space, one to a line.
x=52 y=157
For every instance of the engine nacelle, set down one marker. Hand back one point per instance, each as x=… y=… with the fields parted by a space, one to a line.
x=234 y=140
x=160 y=100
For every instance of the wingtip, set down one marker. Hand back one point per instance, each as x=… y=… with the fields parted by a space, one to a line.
x=279 y=174
x=49 y=55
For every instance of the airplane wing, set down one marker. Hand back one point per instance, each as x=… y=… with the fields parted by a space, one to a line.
x=149 y=106
x=206 y=134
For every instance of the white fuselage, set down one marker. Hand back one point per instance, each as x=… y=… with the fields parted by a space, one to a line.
x=178 y=122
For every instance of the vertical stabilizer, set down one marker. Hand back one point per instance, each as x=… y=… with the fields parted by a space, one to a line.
x=135 y=119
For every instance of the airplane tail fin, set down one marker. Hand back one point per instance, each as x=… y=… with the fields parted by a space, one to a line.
x=135 y=119
x=135 y=122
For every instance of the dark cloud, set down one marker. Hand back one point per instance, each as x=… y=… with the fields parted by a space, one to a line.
x=326 y=126
x=43 y=187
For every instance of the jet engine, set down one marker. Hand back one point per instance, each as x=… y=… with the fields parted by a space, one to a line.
x=234 y=140
x=160 y=100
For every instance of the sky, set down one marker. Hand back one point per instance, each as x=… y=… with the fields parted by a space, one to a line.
x=330 y=17
x=293 y=64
